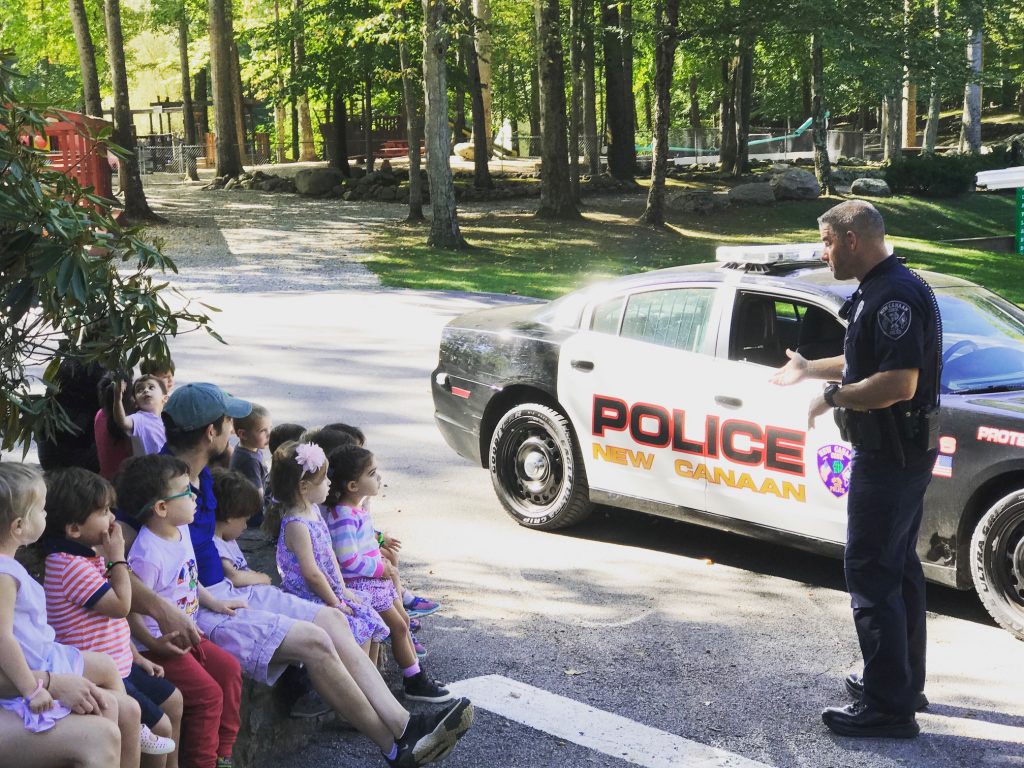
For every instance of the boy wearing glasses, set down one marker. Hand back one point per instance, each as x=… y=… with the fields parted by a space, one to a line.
x=156 y=492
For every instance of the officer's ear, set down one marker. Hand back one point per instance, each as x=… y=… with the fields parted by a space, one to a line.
x=851 y=240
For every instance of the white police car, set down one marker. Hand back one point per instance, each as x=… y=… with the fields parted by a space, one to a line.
x=651 y=392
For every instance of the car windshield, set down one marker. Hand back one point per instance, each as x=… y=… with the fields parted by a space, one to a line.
x=983 y=341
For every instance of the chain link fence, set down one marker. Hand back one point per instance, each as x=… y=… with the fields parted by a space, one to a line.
x=179 y=158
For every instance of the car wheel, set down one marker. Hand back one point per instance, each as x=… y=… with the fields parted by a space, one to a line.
x=537 y=469
x=997 y=562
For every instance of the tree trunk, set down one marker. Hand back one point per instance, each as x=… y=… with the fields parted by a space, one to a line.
x=694 y=112
x=534 y=109
x=931 y=130
x=591 y=139
x=743 y=76
x=410 y=93
x=626 y=18
x=556 y=197
x=822 y=165
x=136 y=207
x=481 y=145
x=575 y=95
x=307 y=149
x=229 y=159
x=892 y=132
x=340 y=159
x=188 y=116
x=239 y=102
x=484 y=48
x=86 y=59
x=202 y=98
x=726 y=121
x=279 y=113
x=805 y=92
x=444 y=226
x=970 y=124
x=666 y=31
x=368 y=110
x=618 y=112
x=459 y=124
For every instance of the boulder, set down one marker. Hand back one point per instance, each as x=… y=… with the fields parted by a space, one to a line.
x=317 y=181
x=231 y=184
x=699 y=201
x=870 y=188
x=795 y=184
x=466 y=150
x=752 y=194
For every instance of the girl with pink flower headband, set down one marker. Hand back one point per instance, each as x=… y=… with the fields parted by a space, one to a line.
x=305 y=557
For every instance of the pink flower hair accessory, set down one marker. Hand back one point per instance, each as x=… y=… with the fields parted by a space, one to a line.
x=310 y=457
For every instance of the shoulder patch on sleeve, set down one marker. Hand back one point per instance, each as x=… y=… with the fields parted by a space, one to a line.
x=894 y=318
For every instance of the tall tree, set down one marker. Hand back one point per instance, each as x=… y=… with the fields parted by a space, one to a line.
x=592 y=142
x=619 y=115
x=136 y=207
x=340 y=158
x=931 y=131
x=188 y=114
x=484 y=52
x=481 y=131
x=444 y=226
x=970 y=124
x=411 y=96
x=307 y=150
x=556 y=197
x=86 y=59
x=626 y=21
x=822 y=164
x=666 y=37
x=575 y=94
x=238 y=98
x=228 y=156
x=743 y=89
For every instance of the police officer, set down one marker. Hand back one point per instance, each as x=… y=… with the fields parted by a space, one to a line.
x=886 y=405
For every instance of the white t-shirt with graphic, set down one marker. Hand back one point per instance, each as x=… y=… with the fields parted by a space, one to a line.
x=169 y=569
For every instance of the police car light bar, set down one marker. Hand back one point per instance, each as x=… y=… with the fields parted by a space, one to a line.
x=1004 y=178
x=768 y=254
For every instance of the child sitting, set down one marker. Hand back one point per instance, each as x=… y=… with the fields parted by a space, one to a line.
x=237 y=498
x=210 y=679
x=353 y=475
x=305 y=560
x=46 y=674
x=88 y=596
x=282 y=433
x=253 y=433
x=145 y=427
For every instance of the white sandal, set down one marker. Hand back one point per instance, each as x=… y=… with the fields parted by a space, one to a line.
x=152 y=744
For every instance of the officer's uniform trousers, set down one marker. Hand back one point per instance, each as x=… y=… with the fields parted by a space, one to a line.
x=884 y=574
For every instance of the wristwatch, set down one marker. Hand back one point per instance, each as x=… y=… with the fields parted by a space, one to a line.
x=830 y=394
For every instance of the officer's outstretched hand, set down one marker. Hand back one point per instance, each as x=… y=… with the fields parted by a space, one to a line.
x=792 y=372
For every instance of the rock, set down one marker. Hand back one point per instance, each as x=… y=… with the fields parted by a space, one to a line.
x=465 y=150
x=870 y=188
x=753 y=194
x=357 y=171
x=387 y=194
x=317 y=181
x=349 y=195
x=337 y=191
x=699 y=201
x=795 y=184
x=842 y=189
x=231 y=184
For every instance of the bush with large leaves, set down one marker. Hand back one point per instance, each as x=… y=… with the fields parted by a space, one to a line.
x=74 y=284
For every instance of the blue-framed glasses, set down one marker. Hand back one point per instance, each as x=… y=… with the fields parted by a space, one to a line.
x=187 y=492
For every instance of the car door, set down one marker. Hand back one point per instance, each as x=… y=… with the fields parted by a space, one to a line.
x=634 y=383
x=769 y=468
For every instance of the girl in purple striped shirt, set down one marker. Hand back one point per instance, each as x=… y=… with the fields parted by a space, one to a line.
x=354 y=476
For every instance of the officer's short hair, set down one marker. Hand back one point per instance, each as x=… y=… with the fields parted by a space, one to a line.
x=856 y=216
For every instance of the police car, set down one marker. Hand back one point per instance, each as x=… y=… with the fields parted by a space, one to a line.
x=651 y=392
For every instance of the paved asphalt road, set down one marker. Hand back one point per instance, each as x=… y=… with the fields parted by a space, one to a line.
x=705 y=636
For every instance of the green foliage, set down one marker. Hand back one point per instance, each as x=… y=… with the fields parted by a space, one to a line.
x=939 y=175
x=75 y=284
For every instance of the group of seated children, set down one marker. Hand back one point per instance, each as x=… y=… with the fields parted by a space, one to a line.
x=132 y=651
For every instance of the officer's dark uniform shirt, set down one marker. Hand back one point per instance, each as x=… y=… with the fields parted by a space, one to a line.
x=893 y=325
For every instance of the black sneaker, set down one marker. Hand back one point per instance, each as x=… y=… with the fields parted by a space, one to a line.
x=419 y=687
x=855 y=687
x=431 y=738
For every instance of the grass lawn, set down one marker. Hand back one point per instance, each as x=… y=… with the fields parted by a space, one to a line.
x=514 y=252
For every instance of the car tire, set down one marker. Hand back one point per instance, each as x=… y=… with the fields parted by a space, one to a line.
x=537 y=469
x=997 y=562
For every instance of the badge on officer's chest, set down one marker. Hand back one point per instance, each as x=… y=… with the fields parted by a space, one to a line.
x=894 y=319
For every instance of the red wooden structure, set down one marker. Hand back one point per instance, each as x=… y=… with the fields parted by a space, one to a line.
x=73 y=150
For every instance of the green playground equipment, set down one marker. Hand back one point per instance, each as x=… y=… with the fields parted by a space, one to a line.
x=1008 y=178
x=649 y=148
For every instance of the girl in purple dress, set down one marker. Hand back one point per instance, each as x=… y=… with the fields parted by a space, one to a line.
x=305 y=558
x=46 y=686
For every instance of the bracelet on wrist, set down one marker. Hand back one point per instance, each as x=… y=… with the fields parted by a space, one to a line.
x=111 y=564
x=39 y=687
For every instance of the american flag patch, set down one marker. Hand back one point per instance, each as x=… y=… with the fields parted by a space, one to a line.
x=943 y=466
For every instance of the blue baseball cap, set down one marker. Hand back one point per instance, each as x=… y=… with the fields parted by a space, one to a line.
x=196 y=405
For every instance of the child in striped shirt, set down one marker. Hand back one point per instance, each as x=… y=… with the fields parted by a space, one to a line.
x=88 y=596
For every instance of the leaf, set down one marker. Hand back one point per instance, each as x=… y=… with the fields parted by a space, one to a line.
x=573 y=672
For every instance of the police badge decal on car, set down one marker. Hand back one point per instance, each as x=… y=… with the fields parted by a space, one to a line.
x=894 y=319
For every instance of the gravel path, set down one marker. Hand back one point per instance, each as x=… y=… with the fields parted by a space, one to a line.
x=245 y=241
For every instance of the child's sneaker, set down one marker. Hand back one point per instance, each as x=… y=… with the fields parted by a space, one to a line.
x=151 y=744
x=414 y=625
x=420 y=606
x=419 y=687
x=430 y=738
x=421 y=652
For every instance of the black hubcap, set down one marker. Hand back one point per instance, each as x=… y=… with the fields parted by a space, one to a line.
x=530 y=465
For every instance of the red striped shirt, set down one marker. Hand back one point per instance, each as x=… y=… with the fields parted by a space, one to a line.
x=73 y=585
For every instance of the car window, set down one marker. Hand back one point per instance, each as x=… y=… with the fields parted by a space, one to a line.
x=765 y=326
x=607 y=316
x=982 y=341
x=675 y=318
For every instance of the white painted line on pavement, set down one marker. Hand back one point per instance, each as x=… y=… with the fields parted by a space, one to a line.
x=593 y=728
